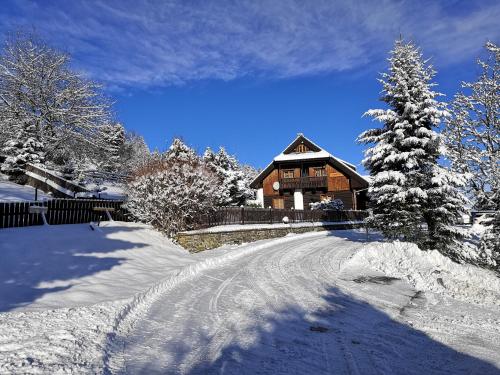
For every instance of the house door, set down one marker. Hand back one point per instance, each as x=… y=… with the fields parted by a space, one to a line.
x=278 y=203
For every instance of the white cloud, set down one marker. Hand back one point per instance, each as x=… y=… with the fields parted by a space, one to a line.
x=156 y=43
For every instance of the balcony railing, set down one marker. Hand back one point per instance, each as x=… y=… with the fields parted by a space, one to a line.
x=304 y=182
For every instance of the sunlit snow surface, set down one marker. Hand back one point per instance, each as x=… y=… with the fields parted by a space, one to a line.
x=317 y=303
x=12 y=192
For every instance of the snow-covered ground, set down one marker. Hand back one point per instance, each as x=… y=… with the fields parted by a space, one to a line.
x=12 y=192
x=316 y=303
x=46 y=267
x=108 y=190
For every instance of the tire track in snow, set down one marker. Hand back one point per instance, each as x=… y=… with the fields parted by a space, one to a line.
x=138 y=306
x=280 y=270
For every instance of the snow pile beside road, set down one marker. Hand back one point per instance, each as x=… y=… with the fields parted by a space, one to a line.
x=430 y=271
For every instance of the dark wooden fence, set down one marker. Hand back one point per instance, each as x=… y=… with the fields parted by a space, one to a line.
x=250 y=215
x=60 y=211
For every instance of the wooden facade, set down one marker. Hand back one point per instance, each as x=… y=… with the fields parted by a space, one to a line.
x=304 y=173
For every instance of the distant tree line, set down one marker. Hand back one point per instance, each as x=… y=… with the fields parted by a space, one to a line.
x=174 y=189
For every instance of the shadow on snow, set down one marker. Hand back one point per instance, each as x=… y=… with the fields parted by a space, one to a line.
x=33 y=255
x=344 y=336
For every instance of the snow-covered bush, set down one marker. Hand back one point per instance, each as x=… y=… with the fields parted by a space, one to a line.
x=328 y=204
x=172 y=195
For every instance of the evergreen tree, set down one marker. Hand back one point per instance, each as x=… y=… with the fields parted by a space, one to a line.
x=25 y=148
x=408 y=186
x=114 y=139
x=233 y=181
x=472 y=133
x=179 y=151
x=135 y=152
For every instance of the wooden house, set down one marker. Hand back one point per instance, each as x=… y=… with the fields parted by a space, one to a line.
x=305 y=173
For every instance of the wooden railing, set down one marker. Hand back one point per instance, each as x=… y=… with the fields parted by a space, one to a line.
x=46 y=177
x=59 y=211
x=303 y=182
x=251 y=215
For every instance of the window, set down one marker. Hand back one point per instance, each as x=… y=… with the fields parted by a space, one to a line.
x=278 y=203
x=319 y=172
x=288 y=173
x=301 y=148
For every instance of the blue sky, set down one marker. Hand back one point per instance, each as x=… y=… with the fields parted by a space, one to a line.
x=249 y=75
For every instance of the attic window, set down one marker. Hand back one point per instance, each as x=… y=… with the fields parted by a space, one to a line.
x=301 y=148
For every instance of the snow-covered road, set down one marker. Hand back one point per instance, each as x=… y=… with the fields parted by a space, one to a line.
x=295 y=308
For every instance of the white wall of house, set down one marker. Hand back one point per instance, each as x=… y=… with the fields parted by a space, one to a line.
x=260 y=197
x=298 y=199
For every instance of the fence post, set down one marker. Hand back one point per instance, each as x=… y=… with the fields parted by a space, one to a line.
x=242 y=214
x=270 y=215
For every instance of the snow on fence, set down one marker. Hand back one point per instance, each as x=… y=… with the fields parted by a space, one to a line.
x=251 y=215
x=59 y=211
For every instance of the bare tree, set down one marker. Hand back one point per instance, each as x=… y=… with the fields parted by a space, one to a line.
x=473 y=132
x=43 y=99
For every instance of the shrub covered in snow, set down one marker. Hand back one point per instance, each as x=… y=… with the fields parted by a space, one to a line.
x=328 y=204
x=173 y=194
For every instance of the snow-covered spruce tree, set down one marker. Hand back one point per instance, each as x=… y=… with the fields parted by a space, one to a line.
x=179 y=151
x=135 y=153
x=114 y=139
x=489 y=246
x=249 y=174
x=43 y=101
x=408 y=186
x=172 y=195
x=233 y=182
x=25 y=148
x=472 y=133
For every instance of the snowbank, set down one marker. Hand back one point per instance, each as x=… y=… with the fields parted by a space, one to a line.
x=238 y=227
x=430 y=271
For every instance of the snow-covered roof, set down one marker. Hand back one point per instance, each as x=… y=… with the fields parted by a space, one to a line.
x=302 y=156
x=320 y=153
